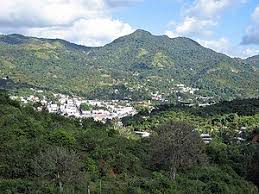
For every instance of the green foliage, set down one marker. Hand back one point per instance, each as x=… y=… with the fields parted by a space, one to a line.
x=176 y=147
x=244 y=159
x=47 y=153
x=60 y=137
x=222 y=119
x=214 y=180
x=124 y=67
x=253 y=60
x=86 y=107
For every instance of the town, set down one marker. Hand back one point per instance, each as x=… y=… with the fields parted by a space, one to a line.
x=78 y=107
x=103 y=110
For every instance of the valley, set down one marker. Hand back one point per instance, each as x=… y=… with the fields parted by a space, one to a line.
x=129 y=97
x=143 y=114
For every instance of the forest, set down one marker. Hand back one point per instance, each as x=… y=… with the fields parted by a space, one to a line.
x=47 y=153
x=135 y=65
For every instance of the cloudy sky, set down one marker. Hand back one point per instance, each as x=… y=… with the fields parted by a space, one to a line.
x=228 y=26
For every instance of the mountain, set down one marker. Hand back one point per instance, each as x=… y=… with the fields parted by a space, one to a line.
x=254 y=61
x=134 y=65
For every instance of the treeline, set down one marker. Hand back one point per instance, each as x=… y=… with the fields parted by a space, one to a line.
x=47 y=153
x=244 y=107
x=237 y=112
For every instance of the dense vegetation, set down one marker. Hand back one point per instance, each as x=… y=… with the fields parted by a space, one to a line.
x=47 y=153
x=215 y=118
x=132 y=66
x=253 y=60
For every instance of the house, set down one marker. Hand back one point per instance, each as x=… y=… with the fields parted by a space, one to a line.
x=206 y=138
x=23 y=100
x=143 y=134
x=70 y=110
x=44 y=102
x=70 y=102
x=52 y=108
x=85 y=113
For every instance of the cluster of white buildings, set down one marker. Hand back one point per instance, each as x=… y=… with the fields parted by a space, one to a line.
x=30 y=99
x=191 y=98
x=158 y=97
x=184 y=89
x=71 y=106
x=178 y=88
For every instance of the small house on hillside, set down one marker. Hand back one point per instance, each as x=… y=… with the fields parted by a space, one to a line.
x=206 y=138
x=142 y=134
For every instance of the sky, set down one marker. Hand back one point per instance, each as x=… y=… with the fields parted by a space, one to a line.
x=227 y=26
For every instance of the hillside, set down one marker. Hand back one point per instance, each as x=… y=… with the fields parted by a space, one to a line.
x=46 y=153
x=132 y=66
x=253 y=60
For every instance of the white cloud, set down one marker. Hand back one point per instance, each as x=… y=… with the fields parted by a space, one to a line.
x=255 y=15
x=48 y=12
x=223 y=45
x=122 y=3
x=209 y=8
x=201 y=17
x=248 y=52
x=171 y=34
x=54 y=12
x=87 y=22
x=193 y=26
x=252 y=31
x=91 y=32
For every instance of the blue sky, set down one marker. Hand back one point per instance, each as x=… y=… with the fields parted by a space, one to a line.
x=228 y=26
x=232 y=20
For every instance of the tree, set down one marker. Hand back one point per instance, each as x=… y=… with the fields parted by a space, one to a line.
x=62 y=137
x=60 y=166
x=86 y=107
x=175 y=146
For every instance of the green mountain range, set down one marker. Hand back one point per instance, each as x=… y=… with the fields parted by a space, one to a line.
x=253 y=60
x=131 y=66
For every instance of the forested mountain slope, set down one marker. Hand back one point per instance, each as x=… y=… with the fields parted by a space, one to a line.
x=253 y=60
x=128 y=64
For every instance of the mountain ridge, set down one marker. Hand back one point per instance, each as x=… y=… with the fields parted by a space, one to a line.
x=139 y=63
x=254 y=60
x=138 y=31
x=22 y=39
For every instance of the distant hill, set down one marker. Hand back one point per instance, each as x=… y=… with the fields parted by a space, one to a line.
x=254 y=60
x=134 y=65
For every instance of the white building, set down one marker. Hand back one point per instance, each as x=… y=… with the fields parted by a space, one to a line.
x=142 y=134
x=52 y=108
x=206 y=138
